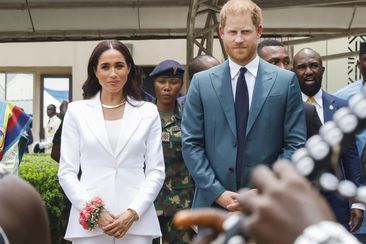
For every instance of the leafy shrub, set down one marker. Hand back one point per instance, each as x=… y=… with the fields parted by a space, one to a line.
x=41 y=172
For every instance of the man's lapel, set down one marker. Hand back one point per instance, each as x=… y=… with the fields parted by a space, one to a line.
x=221 y=82
x=329 y=107
x=263 y=85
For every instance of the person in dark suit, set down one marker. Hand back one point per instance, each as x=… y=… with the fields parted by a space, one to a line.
x=223 y=140
x=313 y=122
x=299 y=210
x=274 y=52
x=56 y=141
x=309 y=70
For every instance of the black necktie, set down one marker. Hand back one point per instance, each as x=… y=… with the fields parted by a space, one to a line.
x=241 y=115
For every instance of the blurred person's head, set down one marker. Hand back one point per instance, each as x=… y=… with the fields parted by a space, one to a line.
x=274 y=52
x=63 y=108
x=200 y=63
x=23 y=215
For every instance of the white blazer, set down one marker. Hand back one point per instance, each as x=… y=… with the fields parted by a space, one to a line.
x=118 y=178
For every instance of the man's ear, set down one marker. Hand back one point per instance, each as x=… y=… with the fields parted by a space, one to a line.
x=221 y=31
x=259 y=31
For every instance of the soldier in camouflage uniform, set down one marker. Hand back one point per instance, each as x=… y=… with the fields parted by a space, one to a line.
x=177 y=191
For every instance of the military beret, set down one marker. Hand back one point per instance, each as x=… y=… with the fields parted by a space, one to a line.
x=168 y=68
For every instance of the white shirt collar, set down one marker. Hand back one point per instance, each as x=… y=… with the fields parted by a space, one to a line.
x=252 y=67
x=318 y=98
x=318 y=103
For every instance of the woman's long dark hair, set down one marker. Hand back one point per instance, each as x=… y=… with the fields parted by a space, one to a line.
x=132 y=87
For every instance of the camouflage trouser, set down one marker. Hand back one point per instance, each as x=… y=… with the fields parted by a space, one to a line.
x=172 y=235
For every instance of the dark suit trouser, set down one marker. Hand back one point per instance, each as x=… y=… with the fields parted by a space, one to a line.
x=342 y=206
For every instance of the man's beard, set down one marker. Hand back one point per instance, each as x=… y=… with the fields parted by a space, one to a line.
x=310 y=90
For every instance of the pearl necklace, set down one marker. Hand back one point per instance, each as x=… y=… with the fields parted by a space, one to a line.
x=113 y=106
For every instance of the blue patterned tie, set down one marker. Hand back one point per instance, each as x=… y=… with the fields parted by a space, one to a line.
x=241 y=115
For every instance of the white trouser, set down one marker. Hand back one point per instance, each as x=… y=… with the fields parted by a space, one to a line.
x=105 y=239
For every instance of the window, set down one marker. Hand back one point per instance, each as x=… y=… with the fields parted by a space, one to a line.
x=55 y=89
x=18 y=89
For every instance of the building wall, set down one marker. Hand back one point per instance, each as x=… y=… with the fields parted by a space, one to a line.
x=336 y=72
x=72 y=58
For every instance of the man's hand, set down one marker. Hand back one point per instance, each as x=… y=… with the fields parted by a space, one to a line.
x=235 y=206
x=356 y=219
x=228 y=201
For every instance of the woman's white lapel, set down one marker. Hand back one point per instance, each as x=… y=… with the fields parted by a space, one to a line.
x=130 y=122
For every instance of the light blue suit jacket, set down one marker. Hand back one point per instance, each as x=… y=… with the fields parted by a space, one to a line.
x=275 y=128
x=346 y=93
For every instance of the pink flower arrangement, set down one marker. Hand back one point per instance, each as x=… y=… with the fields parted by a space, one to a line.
x=90 y=214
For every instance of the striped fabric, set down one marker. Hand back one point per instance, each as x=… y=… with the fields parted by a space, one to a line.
x=13 y=123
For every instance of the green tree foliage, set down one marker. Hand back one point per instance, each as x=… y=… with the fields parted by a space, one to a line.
x=41 y=172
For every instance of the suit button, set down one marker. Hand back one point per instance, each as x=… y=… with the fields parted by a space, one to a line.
x=231 y=170
x=234 y=144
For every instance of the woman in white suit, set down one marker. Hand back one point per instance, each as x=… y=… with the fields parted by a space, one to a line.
x=115 y=139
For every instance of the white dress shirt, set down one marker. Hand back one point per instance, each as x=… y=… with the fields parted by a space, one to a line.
x=113 y=128
x=318 y=103
x=250 y=76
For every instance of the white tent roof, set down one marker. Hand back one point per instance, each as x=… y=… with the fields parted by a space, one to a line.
x=50 y=20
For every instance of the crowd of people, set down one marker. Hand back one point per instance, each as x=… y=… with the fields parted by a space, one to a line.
x=130 y=161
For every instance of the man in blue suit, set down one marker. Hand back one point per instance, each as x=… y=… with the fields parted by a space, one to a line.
x=235 y=118
x=309 y=70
